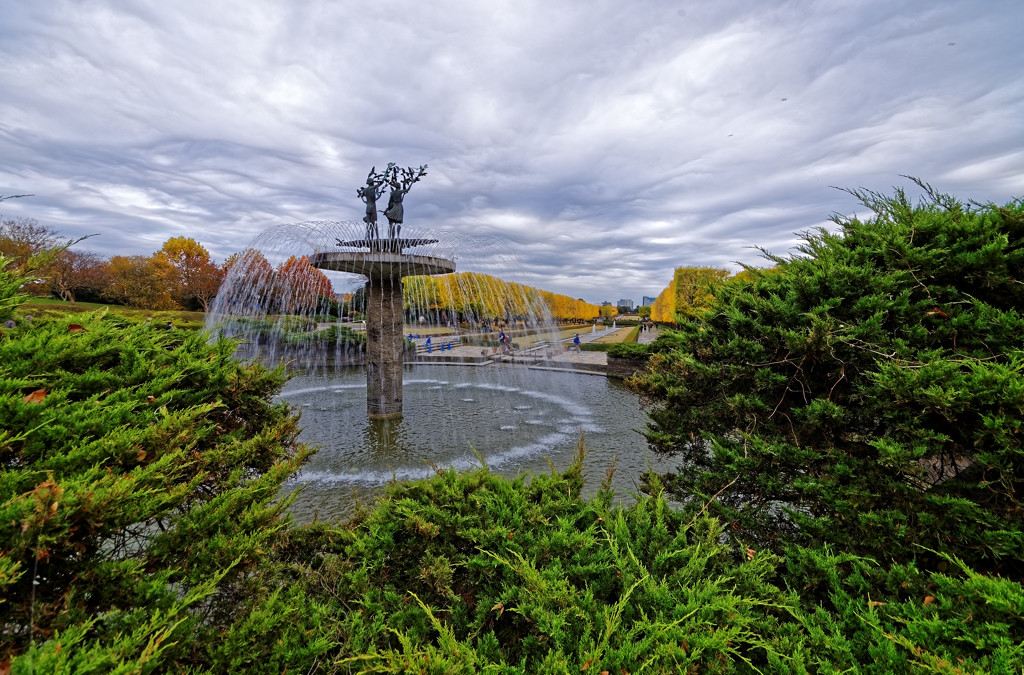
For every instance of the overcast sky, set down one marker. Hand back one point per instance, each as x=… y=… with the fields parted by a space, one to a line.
x=606 y=142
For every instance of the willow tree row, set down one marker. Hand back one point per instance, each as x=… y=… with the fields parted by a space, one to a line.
x=691 y=290
x=470 y=295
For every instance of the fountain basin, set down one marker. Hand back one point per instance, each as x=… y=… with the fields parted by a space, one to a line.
x=513 y=420
x=382 y=264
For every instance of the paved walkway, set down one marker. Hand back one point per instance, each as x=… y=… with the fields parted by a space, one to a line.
x=646 y=337
x=554 y=356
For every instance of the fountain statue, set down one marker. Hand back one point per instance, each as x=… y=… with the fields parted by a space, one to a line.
x=384 y=262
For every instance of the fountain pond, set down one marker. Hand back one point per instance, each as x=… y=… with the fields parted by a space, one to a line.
x=514 y=419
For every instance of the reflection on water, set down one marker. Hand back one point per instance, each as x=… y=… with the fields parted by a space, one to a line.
x=514 y=418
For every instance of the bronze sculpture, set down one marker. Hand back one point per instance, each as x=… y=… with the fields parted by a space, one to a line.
x=395 y=211
x=370 y=193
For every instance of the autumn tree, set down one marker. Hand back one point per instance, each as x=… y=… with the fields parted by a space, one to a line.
x=299 y=287
x=73 y=273
x=192 y=278
x=695 y=288
x=249 y=264
x=24 y=238
x=139 y=281
x=31 y=248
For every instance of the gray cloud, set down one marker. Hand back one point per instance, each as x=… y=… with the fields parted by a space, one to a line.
x=604 y=143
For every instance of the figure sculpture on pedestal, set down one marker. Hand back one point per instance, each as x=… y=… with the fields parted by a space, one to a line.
x=370 y=193
x=399 y=187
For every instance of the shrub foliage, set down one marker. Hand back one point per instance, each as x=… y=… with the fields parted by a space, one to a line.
x=849 y=430
x=866 y=392
x=140 y=470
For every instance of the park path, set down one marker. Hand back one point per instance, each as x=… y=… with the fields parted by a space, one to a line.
x=557 y=356
x=646 y=337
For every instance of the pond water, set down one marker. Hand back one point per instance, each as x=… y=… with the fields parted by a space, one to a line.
x=513 y=418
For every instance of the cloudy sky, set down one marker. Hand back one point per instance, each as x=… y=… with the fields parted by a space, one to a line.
x=605 y=142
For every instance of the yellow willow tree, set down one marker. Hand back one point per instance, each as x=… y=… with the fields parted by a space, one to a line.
x=696 y=287
x=664 y=308
x=476 y=296
x=691 y=290
x=563 y=307
x=422 y=292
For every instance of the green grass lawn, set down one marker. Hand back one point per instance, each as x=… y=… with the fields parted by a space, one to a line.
x=51 y=307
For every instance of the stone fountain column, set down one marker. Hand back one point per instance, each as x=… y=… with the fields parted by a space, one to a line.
x=384 y=347
x=384 y=265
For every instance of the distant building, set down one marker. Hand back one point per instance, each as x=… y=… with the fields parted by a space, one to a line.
x=628 y=304
x=648 y=301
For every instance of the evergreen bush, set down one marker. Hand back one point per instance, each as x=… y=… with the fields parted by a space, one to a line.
x=867 y=393
x=140 y=479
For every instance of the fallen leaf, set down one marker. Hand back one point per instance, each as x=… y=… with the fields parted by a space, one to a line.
x=142 y=455
x=929 y=599
x=35 y=397
x=875 y=603
x=750 y=553
x=76 y=328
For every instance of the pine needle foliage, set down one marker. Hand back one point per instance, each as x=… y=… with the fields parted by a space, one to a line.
x=867 y=393
x=139 y=483
x=466 y=573
x=11 y=290
x=473 y=573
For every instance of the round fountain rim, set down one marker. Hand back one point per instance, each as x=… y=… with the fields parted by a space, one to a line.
x=382 y=264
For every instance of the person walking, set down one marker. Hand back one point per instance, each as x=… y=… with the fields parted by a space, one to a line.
x=576 y=342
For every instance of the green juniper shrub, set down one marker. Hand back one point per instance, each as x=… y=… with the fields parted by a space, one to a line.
x=628 y=350
x=866 y=393
x=467 y=572
x=863 y=617
x=140 y=477
x=142 y=526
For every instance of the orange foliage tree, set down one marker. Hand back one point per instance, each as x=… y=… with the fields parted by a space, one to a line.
x=192 y=278
x=300 y=287
x=139 y=281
